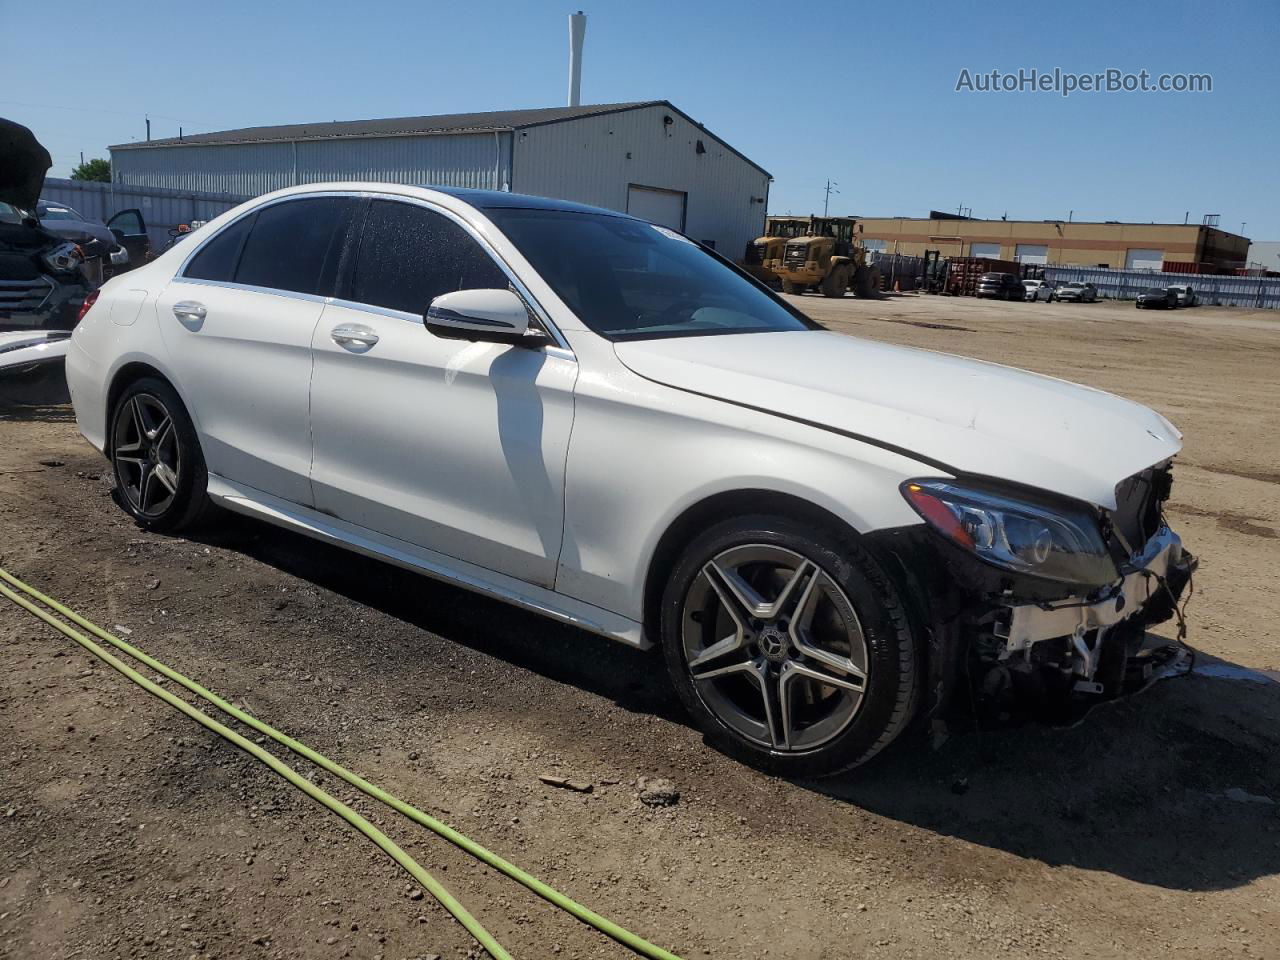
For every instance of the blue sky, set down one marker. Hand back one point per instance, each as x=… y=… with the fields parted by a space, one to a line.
x=864 y=94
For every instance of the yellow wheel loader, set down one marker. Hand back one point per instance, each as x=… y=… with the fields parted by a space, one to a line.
x=823 y=253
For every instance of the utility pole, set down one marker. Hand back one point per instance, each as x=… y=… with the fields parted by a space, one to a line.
x=148 y=129
x=831 y=188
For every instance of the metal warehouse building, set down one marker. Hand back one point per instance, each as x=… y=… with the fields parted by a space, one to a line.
x=649 y=159
x=1140 y=246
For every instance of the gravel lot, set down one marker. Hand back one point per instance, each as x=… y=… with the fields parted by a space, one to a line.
x=1152 y=829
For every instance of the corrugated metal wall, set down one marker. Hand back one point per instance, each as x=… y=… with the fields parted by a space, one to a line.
x=161 y=209
x=593 y=159
x=589 y=160
x=1257 y=292
x=251 y=169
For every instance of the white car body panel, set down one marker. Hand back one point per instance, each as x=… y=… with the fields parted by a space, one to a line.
x=548 y=477
x=247 y=368
x=454 y=445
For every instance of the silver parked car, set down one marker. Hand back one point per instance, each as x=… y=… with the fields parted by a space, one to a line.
x=1077 y=292
x=1186 y=294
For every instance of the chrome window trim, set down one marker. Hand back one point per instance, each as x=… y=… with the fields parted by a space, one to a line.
x=540 y=313
x=250 y=288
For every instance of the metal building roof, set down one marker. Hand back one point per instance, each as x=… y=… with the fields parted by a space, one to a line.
x=487 y=122
x=500 y=120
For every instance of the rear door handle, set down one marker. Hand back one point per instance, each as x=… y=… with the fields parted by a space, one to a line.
x=353 y=335
x=189 y=312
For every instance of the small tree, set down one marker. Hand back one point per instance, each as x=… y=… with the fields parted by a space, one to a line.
x=95 y=169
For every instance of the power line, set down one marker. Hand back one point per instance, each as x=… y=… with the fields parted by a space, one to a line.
x=122 y=113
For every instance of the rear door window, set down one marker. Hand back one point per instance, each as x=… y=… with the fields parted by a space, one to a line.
x=295 y=245
x=409 y=255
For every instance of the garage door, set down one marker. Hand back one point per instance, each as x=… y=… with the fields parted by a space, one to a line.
x=1031 y=253
x=657 y=205
x=1144 y=259
x=991 y=250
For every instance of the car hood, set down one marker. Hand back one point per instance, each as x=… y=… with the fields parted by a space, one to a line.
x=25 y=163
x=80 y=230
x=966 y=415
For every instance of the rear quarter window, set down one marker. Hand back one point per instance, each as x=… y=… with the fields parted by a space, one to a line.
x=217 y=259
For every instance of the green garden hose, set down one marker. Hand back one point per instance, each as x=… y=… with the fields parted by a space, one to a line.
x=551 y=895
x=414 y=869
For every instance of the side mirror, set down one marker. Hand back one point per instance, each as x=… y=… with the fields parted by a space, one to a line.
x=493 y=316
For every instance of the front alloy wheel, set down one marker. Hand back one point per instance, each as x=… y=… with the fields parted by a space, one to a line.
x=774 y=647
x=789 y=645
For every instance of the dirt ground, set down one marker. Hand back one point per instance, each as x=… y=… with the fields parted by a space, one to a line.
x=1151 y=829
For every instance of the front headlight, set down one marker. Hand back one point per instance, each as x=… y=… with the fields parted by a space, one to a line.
x=1058 y=543
x=64 y=258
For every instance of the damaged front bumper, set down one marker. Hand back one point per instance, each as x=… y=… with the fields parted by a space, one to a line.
x=1152 y=583
x=998 y=648
x=1056 y=656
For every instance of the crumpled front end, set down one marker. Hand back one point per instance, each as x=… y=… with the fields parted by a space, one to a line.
x=1003 y=646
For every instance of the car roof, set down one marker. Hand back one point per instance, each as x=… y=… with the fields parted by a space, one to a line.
x=503 y=200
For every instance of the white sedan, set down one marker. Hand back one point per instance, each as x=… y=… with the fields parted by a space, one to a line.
x=1038 y=290
x=595 y=418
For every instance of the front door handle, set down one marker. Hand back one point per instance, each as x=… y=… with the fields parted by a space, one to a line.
x=353 y=335
x=191 y=314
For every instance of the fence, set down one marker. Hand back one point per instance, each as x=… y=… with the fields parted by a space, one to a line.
x=162 y=209
x=1255 y=292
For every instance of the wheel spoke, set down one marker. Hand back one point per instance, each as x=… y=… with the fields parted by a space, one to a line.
x=146 y=485
x=735 y=641
x=799 y=631
x=739 y=598
x=805 y=573
x=821 y=676
x=771 y=694
x=744 y=666
x=139 y=416
x=163 y=432
x=168 y=479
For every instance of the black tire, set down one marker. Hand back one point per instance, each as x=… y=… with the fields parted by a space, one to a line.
x=890 y=688
x=835 y=283
x=161 y=481
x=796 y=289
x=866 y=282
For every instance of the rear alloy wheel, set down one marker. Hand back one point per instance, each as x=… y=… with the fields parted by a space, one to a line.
x=789 y=646
x=159 y=469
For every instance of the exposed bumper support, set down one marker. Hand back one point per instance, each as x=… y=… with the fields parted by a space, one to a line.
x=1144 y=577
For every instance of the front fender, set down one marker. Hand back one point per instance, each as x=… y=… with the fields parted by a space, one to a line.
x=642 y=456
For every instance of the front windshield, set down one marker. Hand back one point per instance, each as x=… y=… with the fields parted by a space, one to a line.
x=50 y=211
x=630 y=280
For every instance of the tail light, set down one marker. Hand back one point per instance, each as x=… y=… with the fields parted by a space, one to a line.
x=90 y=299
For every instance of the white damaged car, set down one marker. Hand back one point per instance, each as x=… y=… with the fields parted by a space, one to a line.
x=596 y=419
